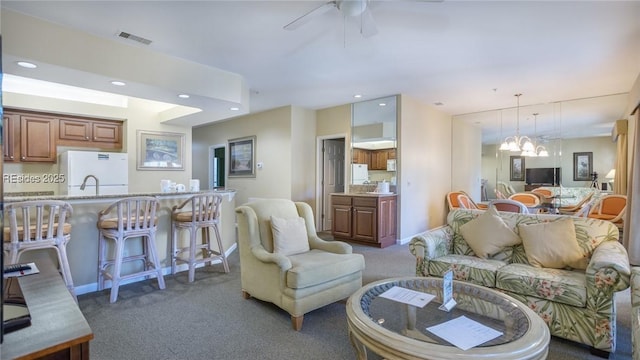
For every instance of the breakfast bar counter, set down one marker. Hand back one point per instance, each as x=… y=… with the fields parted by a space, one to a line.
x=82 y=250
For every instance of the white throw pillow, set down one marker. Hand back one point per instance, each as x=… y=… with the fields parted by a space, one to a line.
x=552 y=244
x=289 y=236
x=488 y=234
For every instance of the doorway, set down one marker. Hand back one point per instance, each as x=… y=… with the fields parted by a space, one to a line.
x=332 y=176
x=217 y=166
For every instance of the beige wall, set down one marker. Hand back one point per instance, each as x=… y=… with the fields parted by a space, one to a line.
x=466 y=141
x=425 y=166
x=285 y=144
x=139 y=115
x=334 y=120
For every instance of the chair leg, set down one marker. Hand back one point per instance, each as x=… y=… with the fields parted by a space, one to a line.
x=117 y=267
x=192 y=254
x=101 y=261
x=154 y=258
x=222 y=253
x=296 y=322
x=66 y=269
x=174 y=247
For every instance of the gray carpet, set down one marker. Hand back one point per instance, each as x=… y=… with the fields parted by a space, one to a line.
x=209 y=319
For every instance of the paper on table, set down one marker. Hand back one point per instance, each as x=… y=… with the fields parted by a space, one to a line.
x=464 y=333
x=407 y=296
x=33 y=270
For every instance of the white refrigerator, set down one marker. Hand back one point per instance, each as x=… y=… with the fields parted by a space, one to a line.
x=359 y=173
x=111 y=169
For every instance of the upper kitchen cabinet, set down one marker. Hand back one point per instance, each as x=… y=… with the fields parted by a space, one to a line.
x=90 y=133
x=29 y=137
x=11 y=137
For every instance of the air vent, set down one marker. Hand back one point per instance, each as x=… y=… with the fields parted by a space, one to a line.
x=126 y=35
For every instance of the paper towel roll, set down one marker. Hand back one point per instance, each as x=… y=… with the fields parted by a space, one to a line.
x=383 y=187
x=194 y=185
x=164 y=185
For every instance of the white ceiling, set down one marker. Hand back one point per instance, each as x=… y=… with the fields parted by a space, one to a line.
x=470 y=56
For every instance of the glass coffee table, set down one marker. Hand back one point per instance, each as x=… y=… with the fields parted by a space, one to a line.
x=395 y=330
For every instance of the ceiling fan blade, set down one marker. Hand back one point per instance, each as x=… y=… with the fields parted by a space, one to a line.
x=310 y=15
x=367 y=24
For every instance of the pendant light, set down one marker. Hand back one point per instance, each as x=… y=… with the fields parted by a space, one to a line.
x=517 y=143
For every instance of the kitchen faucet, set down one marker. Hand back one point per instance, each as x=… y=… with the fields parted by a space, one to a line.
x=84 y=183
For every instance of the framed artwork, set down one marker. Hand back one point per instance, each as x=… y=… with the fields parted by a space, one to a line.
x=158 y=150
x=242 y=157
x=582 y=166
x=517 y=168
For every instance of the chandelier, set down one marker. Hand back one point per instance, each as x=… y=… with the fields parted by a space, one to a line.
x=537 y=150
x=517 y=143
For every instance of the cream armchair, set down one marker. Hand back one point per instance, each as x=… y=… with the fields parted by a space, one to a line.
x=298 y=283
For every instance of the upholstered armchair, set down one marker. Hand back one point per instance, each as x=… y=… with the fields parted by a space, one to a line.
x=635 y=312
x=283 y=261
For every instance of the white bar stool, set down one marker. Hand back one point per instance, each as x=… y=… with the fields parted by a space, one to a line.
x=131 y=217
x=204 y=214
x=42 y=218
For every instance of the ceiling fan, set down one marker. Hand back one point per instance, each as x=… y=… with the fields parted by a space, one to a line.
x=349 y=9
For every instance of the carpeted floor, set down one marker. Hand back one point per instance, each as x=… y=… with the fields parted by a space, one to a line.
x=209 y=319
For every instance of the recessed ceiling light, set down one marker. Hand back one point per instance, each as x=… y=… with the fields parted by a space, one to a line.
x=183 y=96
x=438 y=103
x=118 y=83
x=234 y=108
x=26 y=64
x=357 y=96
x=382 y=104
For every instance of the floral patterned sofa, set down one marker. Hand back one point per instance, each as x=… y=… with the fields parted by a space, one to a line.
x=576 y=304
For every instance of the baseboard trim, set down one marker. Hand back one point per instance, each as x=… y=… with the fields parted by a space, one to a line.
x=93 y=287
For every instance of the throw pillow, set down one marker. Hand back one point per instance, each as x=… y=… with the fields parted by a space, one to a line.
x=552 y=245
x=289 y=236
x=488 y=234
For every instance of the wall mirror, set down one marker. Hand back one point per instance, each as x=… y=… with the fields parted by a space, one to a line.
x=373 y=141
x=561 y=128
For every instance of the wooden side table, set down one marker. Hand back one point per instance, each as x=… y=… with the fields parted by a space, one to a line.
x=58 y=329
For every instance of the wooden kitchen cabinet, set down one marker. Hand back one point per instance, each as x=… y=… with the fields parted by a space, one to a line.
x=37 y=138
x=11 y=137
x=90 y=133
x=364 y=219
x=360 y=156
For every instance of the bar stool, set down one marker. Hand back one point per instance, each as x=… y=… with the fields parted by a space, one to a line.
x=131 y=217
x=42 y=218
x=204 y=214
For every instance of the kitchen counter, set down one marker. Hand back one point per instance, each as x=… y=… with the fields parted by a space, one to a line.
x=82 y=250
x=365 y=194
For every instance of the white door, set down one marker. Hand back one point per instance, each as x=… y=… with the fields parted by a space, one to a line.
x=332 y=176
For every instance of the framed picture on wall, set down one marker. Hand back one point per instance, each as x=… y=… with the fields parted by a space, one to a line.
x=516 y=172
x=160 y=150
x=582 y=166
x=242 y=156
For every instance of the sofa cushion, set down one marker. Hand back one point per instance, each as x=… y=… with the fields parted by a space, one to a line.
x=552 y=244
x=467 y=268
x=316 y=267
x=557 y=285
x=488 y=235
x=289 y=236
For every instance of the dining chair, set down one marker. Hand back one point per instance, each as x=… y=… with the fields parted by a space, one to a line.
x=611 y=208
x=509 y=205
x=465 y=202
x=39 y=225
x=128 y=218
x=199 y=212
